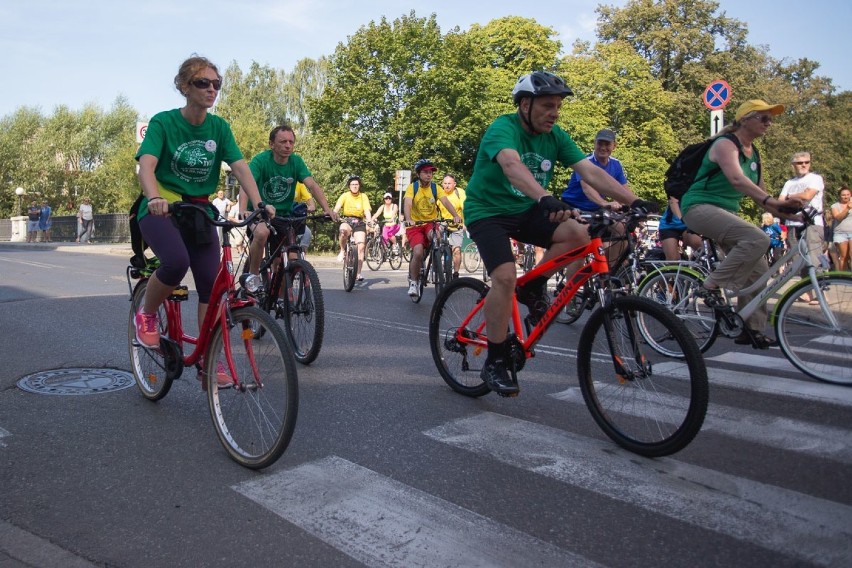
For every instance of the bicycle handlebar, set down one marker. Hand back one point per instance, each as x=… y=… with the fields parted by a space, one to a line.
x=178 y=205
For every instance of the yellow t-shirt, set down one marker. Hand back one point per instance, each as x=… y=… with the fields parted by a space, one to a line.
x=457 y=199
x=353 y=205
x=303 y=194
x=423 y=207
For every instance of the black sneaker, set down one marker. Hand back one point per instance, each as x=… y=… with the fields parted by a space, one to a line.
x=712 y=296
x=496 y=376
x=535 y=299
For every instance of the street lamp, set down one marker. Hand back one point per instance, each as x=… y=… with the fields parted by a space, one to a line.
x=19 y=191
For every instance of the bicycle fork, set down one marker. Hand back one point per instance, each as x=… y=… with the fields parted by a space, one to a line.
x=623 y=373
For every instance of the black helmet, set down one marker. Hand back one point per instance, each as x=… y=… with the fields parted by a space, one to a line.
x=351 y=179
x=540 y=83
x=422 y=163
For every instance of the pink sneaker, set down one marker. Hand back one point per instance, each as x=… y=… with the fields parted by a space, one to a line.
x=223 y=378
x=147 y=332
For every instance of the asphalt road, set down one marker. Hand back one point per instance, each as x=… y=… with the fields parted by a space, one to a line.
x=388 y=466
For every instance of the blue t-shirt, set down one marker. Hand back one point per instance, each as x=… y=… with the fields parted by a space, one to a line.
x=774 y=232
x=573 y=194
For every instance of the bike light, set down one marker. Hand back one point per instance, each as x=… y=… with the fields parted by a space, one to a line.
x=251 y=283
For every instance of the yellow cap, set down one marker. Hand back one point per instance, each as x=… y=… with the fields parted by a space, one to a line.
x=757 y=105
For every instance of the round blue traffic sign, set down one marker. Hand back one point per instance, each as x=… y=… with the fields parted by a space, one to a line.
x=717 y=95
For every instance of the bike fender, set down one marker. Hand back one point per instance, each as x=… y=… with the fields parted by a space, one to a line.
x=667 y=269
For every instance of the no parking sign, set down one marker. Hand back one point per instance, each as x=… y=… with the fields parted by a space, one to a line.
x=141 y=129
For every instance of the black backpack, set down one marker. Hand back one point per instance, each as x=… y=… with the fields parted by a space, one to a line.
x=681 y=173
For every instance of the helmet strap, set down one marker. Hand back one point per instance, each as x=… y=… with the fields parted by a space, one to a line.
x=527 y=120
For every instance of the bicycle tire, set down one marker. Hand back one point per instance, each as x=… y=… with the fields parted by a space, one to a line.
x=448 y=264
x=575 y=307
x=153 y=369
x=470 y=258
x=437 y=272
x=406 y=252
x=807 y=338
x=395 y=257
x=374 y=253
x=255 y=418
x=459 y=365
x=350 y=265
x=305 y=311
x=658 y=406
x=675 y=289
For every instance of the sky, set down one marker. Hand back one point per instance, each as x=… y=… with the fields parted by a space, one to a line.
x=62 y=52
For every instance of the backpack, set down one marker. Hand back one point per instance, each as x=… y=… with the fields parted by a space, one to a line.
x=433 y=186
x=681 y=173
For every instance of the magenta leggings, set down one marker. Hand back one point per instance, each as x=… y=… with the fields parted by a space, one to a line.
x=176 y=257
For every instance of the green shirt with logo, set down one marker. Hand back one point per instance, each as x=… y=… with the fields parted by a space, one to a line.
x=489 y=192
x=277 y=182
x=189 y=157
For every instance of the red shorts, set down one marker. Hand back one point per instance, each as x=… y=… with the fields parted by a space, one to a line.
x=418 y=235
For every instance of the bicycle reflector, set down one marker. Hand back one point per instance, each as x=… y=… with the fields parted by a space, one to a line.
x=251 y=283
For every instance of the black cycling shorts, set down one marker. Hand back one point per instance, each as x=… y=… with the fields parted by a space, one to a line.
x=492 y=234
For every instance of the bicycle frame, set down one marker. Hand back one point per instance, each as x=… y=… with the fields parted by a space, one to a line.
x=596 y=264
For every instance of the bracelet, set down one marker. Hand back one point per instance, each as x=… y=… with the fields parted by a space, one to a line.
x=150 y=199
x=765 y=199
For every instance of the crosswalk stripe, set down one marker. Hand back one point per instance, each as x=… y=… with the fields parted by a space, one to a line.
x=767 y=362
x=760 y=428
x=798 y=525
x=383 y=522
x=820 y=392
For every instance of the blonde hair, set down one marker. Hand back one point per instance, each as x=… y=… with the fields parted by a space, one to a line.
x=768 y=216
x=190 y=68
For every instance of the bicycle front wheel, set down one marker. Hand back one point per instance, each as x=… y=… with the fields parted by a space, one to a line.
x=305 y=313
x=374 y=253
x=459 y=364
x=350 y=265
x=647 y=402
x=394 y=257
x=676 y=289
x=816 y=345
x=256 y=416
x=153 y=369
x=470 y=258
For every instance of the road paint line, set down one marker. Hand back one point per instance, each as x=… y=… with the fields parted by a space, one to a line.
x=765 y=429
x=778 y=519
x=383 y=522
x=821 y=392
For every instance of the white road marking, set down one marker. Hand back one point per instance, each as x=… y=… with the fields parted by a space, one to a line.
x=759 y=428
x=798 y=525
x=382 y=522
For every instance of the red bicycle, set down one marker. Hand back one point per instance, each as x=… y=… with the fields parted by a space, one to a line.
x=650 y=403
x=255 y=414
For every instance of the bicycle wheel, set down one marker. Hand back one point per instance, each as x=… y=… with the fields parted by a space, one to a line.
x=374 y=253
x=650 y=404
x=255 y=418
x=153 y=369
x=459 y=364
x=406 y=252
x=350 y=265
x=675 y=289
x=394 y=257
x=470 y=257
x=438 y=275
x=578 y=304
x=806 y=335
x=305 y=313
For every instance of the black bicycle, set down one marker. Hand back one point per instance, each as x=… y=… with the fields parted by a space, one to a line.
x=291 y=289
x=437 y=264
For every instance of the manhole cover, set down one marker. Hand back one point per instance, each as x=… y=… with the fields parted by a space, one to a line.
x=76 y=381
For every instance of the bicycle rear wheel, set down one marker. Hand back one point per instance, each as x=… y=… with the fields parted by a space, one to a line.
x=255 y=418
x=350 y=265
x=649 y=403
x=153 y=369
x=806 y=336
x=394 y=256
x=374 y=253
x=305 y=313
x=676 y=289
x=459 y=364
x=470 y=257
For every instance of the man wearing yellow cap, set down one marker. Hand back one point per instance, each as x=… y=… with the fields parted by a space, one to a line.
x=711 y=206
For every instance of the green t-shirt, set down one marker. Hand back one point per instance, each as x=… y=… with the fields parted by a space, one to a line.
x=277 y=182
x=717 y=190
x=489 y=192
x=189 y=157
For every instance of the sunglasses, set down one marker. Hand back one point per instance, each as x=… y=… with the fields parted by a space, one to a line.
x=391 y=198
x=802 y=163
x=764 y=118
x=203 y=83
